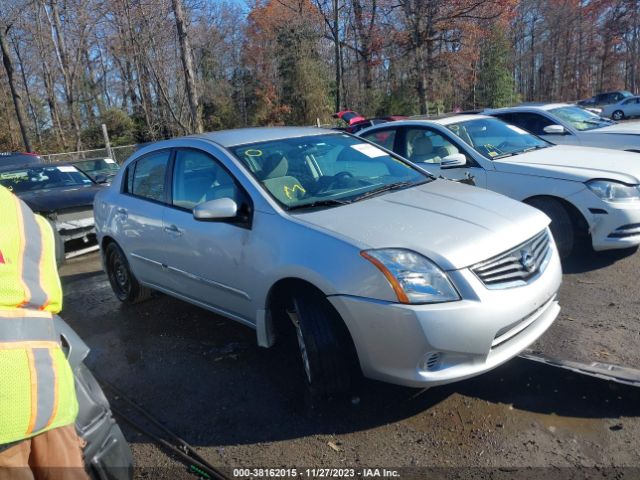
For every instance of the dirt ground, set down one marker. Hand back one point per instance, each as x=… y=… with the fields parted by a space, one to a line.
x=204 y=377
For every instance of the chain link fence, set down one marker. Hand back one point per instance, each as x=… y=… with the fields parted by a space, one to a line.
x=119 y=154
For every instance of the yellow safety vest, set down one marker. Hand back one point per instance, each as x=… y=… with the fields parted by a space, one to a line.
x=36 y=383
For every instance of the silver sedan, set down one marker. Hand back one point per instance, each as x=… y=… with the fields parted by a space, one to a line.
x=367 y=263
x=625 y=108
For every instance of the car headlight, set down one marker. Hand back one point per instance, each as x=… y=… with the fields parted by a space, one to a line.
x=614 y=192
x=414 y=278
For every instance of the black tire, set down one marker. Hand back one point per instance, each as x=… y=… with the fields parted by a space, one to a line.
x=561 y=225
x=618 y=115
x=59 y=245
x=123 y=283
x=329 y=360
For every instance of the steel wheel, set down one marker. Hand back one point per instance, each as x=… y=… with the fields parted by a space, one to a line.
x=123 y=283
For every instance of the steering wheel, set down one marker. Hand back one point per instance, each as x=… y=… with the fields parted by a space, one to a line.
x=505 y=144
x=338 y=180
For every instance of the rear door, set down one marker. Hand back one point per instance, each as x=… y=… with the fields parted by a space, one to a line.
x=205 y=259
x=139 y=215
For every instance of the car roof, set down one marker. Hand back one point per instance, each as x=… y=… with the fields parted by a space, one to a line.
x=240 y=136
x=18 y=166
x=537 y=106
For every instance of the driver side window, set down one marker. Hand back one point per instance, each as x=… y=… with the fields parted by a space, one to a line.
x=198 y=178
x=427 y=146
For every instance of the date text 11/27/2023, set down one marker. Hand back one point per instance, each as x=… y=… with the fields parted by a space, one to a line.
x=315 y=473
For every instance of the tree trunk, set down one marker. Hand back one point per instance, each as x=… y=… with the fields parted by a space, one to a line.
x=15 y=94
x=32 y=110
x=338 y=55
x=187 y=64
x=66 y=72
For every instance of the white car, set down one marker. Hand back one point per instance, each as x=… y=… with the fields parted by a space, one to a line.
x=625 y=108
x=585 y=191
x=566 y=124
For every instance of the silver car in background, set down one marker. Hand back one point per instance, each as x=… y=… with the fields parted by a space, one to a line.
x=625 y=108
x=566 y=124
x=368 y=263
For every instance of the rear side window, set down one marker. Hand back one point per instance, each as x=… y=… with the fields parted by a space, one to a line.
x=532 y=122
x=149 y=176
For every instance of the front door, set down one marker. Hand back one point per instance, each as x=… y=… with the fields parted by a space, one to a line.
x=427 y=147
x=205 y=258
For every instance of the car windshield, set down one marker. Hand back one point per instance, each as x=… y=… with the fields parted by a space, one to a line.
x=496 y=139
x=98 y=166
x=580 y=118
x=40 y=178
x=325 y=170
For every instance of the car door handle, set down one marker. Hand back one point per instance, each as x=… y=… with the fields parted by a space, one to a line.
x=122 y=211
x=173 y=230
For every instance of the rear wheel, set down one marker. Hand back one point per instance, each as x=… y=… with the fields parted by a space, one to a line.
x=326 y=351
x=123 y=282
x=561 y=225
x=618 y=115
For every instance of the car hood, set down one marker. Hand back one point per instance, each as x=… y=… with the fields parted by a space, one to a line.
x=574 y=163
x=54 y=199
x=626 y=128
x=454 y=225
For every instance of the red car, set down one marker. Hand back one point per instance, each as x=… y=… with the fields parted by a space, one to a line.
x=357 y=122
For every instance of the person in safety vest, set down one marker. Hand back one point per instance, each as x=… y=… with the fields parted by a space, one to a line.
x=38 y=404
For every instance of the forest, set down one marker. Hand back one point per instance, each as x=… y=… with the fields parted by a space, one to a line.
x=153 y=69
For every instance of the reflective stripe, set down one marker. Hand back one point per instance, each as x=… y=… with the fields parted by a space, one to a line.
x=27 y=328
x=31 y=259
x=46 y=382
x=33 y=378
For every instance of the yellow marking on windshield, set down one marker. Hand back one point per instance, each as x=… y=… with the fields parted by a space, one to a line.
x=253 y=152
x=289 y=191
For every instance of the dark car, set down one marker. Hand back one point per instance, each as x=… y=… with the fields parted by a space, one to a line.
x=357 y=122
x=99 y=169
x=606 y=98
x=64 y=195
x=107 y=455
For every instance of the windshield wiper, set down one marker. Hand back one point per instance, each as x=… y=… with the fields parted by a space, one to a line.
x=329 y=202
x=387 y=188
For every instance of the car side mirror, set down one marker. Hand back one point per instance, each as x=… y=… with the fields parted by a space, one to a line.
x=218 y=209
x=454 y=160
x=555 y=130
x=101 y=178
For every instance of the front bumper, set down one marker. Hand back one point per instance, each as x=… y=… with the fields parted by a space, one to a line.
x=610 y=226
x=428 y=345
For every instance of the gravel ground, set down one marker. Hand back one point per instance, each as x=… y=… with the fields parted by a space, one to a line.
x=206 y=379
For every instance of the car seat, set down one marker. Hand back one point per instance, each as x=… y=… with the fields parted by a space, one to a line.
x=274 y=177
x=422 y=151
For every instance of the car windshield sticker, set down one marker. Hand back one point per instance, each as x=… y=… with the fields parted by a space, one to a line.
x=253 y=152
x=369 y=150
x=67 y=168
x=289 y=191
x=517 y=129
x=109 y=160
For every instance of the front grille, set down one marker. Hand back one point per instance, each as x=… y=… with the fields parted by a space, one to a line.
x=518 y=266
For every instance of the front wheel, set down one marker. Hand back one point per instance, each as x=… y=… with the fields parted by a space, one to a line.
x=561 y=225
x=123 y=282
x=325 y=347
x=618 y=115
